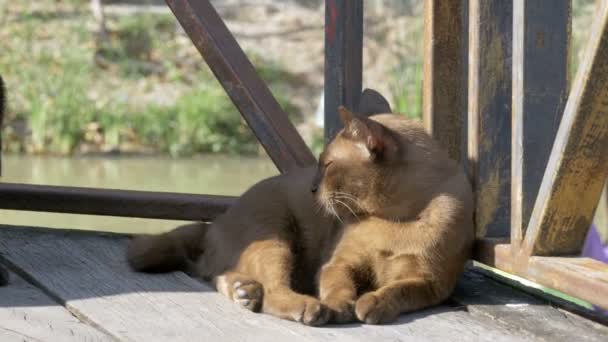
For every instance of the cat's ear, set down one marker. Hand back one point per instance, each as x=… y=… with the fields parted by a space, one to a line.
x=373 y=135
x=346 y=116
x=366 y=132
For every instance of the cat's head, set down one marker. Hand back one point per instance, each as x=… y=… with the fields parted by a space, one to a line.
x=359 y=169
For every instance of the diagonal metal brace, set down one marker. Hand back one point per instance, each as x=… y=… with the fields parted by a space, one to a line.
x=247 y=91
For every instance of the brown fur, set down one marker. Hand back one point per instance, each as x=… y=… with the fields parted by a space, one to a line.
x=383 y=226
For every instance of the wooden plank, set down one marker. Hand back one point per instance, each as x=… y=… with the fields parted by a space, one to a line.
x=445 y=73
x=111 y=202
x=517 y=310
x=343 y=56
x=579 y=277
x=247 y=91
x=583 y=278
x=540 y=89
x=89 y=274
x=578 y=165
x=27 y=314
x=489 y=119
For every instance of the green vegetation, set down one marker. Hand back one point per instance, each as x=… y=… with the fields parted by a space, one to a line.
x=143 y=88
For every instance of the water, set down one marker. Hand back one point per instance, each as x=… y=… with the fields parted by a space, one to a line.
x=209 y=174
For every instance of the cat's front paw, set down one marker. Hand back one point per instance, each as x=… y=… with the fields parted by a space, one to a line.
x=248 y=294
x=312 y=313
x=342 y=311
x=372 y=310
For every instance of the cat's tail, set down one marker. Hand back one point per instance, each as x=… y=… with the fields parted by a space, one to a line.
x=172 y=251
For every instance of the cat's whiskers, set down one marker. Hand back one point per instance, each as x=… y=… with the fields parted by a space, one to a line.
x=335 y=212
x=351 y=198
x=347 y=207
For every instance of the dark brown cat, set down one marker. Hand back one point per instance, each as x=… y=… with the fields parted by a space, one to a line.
x=382 y=226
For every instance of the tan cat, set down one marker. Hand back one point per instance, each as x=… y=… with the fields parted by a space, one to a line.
x=382 y=226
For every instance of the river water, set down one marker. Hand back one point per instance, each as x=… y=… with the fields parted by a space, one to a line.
x=208 y=174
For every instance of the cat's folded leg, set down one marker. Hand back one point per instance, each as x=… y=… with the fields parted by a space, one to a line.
x=241 y=289
x=271 y=263
x=338 y=292
x=385 y=304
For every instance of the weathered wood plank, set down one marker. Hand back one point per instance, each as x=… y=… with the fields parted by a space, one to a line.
x=579 y=277
x=89 y=274
x=237 y=75
x=343 y=59
x=445 y=73
x=578 y=165
x=27 y=314
x=517 y=310
x=540 y=88
x=489 y=108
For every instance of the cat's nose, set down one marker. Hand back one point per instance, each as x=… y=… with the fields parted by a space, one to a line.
x=314 y=188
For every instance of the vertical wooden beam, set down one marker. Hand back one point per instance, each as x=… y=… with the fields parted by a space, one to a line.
x=578 y=163
x=445 y=73
x=489 y=119
x=343 y=56
x=246 y=89
x=540 y=88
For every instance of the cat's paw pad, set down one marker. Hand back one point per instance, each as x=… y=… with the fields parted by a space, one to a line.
x=371 y=310
x=248 y=294
x=313 y=313
x=342 y=311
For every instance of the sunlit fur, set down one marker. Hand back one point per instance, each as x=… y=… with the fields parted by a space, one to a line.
x=382 y=226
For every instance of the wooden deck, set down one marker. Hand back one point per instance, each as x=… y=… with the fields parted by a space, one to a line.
x=72 y=286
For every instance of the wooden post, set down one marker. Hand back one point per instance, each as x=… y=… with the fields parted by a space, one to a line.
x=247 y=91
x=489 y=119
x=578 y=163
x=343 y=55
x=540 y=89
x=445 y=73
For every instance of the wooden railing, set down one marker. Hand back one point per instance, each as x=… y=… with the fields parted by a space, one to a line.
x=495 y=95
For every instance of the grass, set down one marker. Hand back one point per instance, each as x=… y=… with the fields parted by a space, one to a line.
x=143 y=88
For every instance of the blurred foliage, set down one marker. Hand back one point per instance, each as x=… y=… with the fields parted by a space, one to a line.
x=71 y=92
x=143 y=86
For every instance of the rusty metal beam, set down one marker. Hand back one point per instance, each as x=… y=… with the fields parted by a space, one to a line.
x=540 y=90
x=445 y=74
x=109 y=202
x=489 y=109
x=343 y=59
x=247 y=91
x=578 y=165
